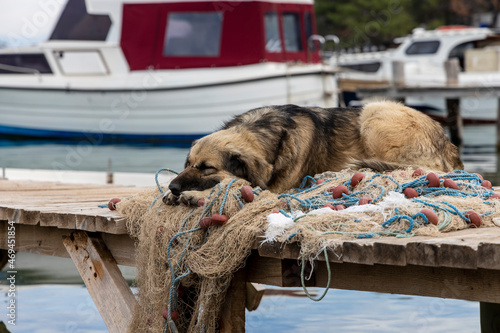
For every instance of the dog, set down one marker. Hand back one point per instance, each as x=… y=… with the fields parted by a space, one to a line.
x=275 y=147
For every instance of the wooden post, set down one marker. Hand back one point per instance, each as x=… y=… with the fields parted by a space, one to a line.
x=498 y=128
x=398 y=73
x=454 y=121
x=104 y=281
x=233 y=309
x=452 y=68
x=398 y=77
x=490 y=317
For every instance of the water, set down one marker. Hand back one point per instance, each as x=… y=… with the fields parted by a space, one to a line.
x=52 y=298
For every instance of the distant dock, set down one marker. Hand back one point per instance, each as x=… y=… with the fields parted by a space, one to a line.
x=64 y=220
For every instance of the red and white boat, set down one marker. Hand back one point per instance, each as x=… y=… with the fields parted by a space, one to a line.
x=161 y=70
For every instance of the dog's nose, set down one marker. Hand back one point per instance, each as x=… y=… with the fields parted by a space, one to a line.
x=175 y=188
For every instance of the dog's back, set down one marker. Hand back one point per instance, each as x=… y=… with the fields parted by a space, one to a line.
x=381 y=136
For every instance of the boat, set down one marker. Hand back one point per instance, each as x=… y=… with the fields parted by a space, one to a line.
x=424 y=53
x=161 y=70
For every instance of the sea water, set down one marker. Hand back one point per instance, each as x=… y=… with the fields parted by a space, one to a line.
x=51 y=296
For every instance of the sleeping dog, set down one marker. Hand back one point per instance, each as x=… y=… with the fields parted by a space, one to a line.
x=275 y=147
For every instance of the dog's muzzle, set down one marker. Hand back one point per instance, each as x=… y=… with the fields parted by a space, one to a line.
x=175 y=188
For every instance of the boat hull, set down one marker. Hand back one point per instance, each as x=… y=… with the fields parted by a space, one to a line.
x=160 y=114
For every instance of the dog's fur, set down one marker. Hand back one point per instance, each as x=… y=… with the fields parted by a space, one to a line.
x=276 y=147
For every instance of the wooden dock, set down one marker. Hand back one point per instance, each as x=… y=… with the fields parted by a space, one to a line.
x=63 y=220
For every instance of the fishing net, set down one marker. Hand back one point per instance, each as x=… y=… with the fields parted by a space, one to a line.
x=184 y=270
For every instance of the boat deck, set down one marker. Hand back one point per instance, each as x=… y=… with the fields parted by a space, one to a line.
x=64 y=220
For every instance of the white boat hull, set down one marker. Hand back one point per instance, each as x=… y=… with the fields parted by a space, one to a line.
x=170 y=113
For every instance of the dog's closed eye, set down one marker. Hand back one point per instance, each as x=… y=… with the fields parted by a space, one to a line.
x=206 y=169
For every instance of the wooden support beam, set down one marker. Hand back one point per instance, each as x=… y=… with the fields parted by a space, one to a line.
x=47 y=241
x=233 y=309
x=255 y=291
x=490 y=317
x=455 y=283
x=104 y=281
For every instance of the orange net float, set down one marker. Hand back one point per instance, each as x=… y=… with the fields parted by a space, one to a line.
x=338 y=190
x=112 y=203
x=474 y=218
x=410 y=193
x=449 y=183
x=356 y=178
x=433 y=180
x=247 y=193
x=431 y=215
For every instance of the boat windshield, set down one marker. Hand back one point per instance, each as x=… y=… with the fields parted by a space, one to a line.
x=76 y=24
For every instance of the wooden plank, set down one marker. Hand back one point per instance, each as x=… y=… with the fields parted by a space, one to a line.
x=100 y=273
x=67 y=206
x=48 y=241
x=488 y=256
x=456 y=283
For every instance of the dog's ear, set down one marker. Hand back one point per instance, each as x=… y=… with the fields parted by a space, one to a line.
x=255 y=171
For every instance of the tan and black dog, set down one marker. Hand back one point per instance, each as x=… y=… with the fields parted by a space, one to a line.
x=276 y=147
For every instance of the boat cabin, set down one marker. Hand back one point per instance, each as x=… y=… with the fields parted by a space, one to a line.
x=214 y=34
x=174 y=35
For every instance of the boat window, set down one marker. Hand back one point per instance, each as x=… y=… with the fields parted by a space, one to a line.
x=76 y=24
x=372 y=67
x=193 y=34
x=423 y=47
x=29 y=63
x=309 y=30
x=291 y=31
x=273 y=41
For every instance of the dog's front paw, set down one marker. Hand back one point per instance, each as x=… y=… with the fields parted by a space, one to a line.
x=192 y=198
x=170 y=199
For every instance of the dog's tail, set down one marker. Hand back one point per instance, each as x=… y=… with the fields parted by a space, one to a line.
x=377 y=165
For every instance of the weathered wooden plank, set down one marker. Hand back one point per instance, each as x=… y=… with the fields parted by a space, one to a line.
x=358 y=251
x=488 y=255
x=100 y=273
x=71 y=206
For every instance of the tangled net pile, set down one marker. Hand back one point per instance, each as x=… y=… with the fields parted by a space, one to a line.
x=184 y=270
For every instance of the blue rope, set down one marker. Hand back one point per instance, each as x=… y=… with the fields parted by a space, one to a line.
x=157 y=174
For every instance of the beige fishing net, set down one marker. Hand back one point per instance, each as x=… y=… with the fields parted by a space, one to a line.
x=184 y=270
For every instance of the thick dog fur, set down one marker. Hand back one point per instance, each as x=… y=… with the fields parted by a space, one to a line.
x=276 y=147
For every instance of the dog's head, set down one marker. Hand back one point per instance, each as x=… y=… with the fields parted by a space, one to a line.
x=220 y=155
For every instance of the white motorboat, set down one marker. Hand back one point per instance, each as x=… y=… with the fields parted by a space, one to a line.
x=162 y=69
x=424 y=53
